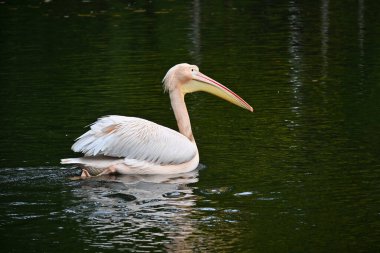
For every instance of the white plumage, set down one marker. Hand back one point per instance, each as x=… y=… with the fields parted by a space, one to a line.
x=135 y=138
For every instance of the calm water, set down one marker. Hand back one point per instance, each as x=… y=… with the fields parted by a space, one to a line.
x=301 y=174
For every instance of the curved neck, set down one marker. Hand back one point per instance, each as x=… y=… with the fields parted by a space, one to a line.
x=177 y=99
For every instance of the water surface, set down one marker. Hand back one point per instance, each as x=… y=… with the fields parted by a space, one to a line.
x=299 y=175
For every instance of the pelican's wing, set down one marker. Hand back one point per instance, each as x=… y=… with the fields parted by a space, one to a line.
x=135 y=138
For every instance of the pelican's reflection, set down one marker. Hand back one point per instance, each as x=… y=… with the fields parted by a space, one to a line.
x=141 y=212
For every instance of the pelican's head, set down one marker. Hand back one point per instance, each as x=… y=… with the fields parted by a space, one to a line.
x=187 y=78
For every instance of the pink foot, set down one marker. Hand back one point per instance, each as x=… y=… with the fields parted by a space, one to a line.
x=85 y=174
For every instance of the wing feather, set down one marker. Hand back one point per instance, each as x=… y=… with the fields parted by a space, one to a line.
x=135 y=138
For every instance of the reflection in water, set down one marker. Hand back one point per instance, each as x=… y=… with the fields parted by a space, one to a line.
x=295 y=59
x=195 y=34
x=361 y=27
x=154 y=213
x=361 y=35
x=152 y=210
x=325 y=23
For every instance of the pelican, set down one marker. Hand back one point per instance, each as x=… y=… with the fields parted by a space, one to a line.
x=130 y=145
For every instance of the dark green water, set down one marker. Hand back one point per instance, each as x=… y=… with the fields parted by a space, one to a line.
x=301 y=174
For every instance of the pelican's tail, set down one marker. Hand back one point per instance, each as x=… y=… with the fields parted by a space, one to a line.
x=71 y=161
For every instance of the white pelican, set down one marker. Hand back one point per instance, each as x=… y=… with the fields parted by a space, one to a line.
x=129 y=145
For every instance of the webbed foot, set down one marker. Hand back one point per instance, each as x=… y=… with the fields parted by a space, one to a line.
x=85 y=174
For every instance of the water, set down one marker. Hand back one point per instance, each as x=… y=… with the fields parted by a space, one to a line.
x=299 y=175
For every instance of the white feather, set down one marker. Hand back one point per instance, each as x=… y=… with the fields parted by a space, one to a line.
x=135 y=138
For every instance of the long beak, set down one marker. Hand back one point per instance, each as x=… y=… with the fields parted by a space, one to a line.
x=201 y=82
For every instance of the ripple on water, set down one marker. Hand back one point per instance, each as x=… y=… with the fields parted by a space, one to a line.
x=110 y=213
x=122 y=196
x=248 y=193
x=207 y=209
x=174 y=195
x=132 y=214
x=215 y=191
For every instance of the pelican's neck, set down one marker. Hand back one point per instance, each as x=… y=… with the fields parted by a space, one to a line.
x=177 y=99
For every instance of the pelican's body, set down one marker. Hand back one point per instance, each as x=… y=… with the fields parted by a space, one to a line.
x=129 y=145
